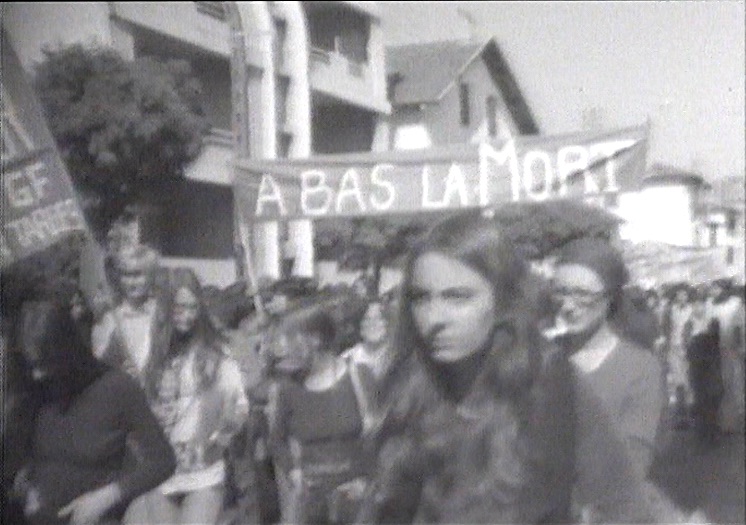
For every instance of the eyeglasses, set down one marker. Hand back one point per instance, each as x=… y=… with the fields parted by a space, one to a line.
x=579 y=296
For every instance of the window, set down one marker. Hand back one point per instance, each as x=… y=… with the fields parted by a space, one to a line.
x=731 y=223
x=213 y=9
x=464 y=104
x=730 y=255
x=492 y=115
x=284 y=143
x=281 y=100
x=278 y=43
x=713 y=234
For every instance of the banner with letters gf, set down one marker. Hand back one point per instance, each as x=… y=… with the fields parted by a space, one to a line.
x=39 y=204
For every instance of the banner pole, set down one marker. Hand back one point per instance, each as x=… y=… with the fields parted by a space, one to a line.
x=248 y=260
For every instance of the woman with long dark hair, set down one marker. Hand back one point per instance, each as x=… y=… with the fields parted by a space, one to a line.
x=484 y=421
x=89 y=415
x=200 y=401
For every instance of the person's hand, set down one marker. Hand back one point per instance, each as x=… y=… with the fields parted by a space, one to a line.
x=90 y=507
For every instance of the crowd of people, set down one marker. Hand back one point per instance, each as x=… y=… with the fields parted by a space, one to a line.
x=701 y=344
x=478 y=392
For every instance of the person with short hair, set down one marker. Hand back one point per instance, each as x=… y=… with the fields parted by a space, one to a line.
x=728 y=309
x=316 y=422
x=679 y=388
x=134 y=334
x=588 y=284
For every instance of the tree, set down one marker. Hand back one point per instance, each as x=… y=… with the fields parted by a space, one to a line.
x=367 y=243
x=536 y=228
x=539 y=228
x=120 y=125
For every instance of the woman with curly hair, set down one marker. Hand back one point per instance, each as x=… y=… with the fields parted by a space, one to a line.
x=484 y=421
x=200 y=401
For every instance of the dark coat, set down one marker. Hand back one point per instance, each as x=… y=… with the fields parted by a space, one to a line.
x=493 y=459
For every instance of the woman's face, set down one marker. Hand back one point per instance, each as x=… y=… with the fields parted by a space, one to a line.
x=373 y=325
x=453 y=307
x=291 y=353
x=579 y=291
x=185 y=310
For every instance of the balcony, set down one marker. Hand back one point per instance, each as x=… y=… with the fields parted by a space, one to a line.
x=333 y=74
x=215 y=162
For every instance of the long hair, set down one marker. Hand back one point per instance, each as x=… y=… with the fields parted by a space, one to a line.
x=204 y=336
x=502 y=439
x=479 y=243
x=48 y=328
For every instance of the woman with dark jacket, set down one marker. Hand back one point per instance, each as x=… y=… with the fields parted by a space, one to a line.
x=484 y=423
x=702 y=340
x=89 y=415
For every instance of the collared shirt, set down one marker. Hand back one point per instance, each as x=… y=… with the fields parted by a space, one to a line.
x=135 y=328
x=136 y=325
x=590 y=358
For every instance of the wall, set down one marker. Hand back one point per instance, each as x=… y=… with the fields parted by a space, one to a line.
x=181 y=20
x=658 y=213
x=444 y=119
x=32 y=24
x=341 y=129
x=418 y=127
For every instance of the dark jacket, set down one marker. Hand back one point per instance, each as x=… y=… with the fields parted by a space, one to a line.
x=490 y=459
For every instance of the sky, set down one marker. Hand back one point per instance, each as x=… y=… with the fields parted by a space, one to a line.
x=586 y=65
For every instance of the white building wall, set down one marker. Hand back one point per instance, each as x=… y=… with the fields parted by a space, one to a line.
x=439 y=122
x=31 y=25
x=658 y=213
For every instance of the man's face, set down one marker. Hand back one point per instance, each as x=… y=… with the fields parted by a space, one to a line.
x=581 y=296
x=135 y=283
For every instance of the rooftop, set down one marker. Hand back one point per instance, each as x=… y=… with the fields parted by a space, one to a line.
x=424 y=73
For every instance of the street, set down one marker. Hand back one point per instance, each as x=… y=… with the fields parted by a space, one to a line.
x=710 y=479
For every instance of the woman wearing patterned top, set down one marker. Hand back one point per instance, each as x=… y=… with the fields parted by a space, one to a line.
x=201 y=404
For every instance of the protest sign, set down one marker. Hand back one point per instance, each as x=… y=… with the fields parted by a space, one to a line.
x=582 y=165
x=39 y=204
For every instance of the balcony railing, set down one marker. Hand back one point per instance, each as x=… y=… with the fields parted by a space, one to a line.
x=321 y=55
x=350 y=80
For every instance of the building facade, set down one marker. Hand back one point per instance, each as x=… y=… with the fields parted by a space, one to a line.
x=725 y=227
x=680 y=209
x=280 y=80
x=453 y=92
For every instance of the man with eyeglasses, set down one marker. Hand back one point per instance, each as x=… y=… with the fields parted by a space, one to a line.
x=587 y=287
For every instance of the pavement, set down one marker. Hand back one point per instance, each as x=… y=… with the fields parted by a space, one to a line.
x=700 y=477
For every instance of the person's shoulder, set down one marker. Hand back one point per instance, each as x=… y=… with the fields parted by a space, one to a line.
x=634 y=352
x=118 y=382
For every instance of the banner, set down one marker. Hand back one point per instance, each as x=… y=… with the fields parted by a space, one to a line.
x=39 y=204
x=582 y=165
x=654 y=264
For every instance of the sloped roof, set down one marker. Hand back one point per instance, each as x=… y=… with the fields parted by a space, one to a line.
x=426 y=70
x=667 y=173
x=423 y=73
